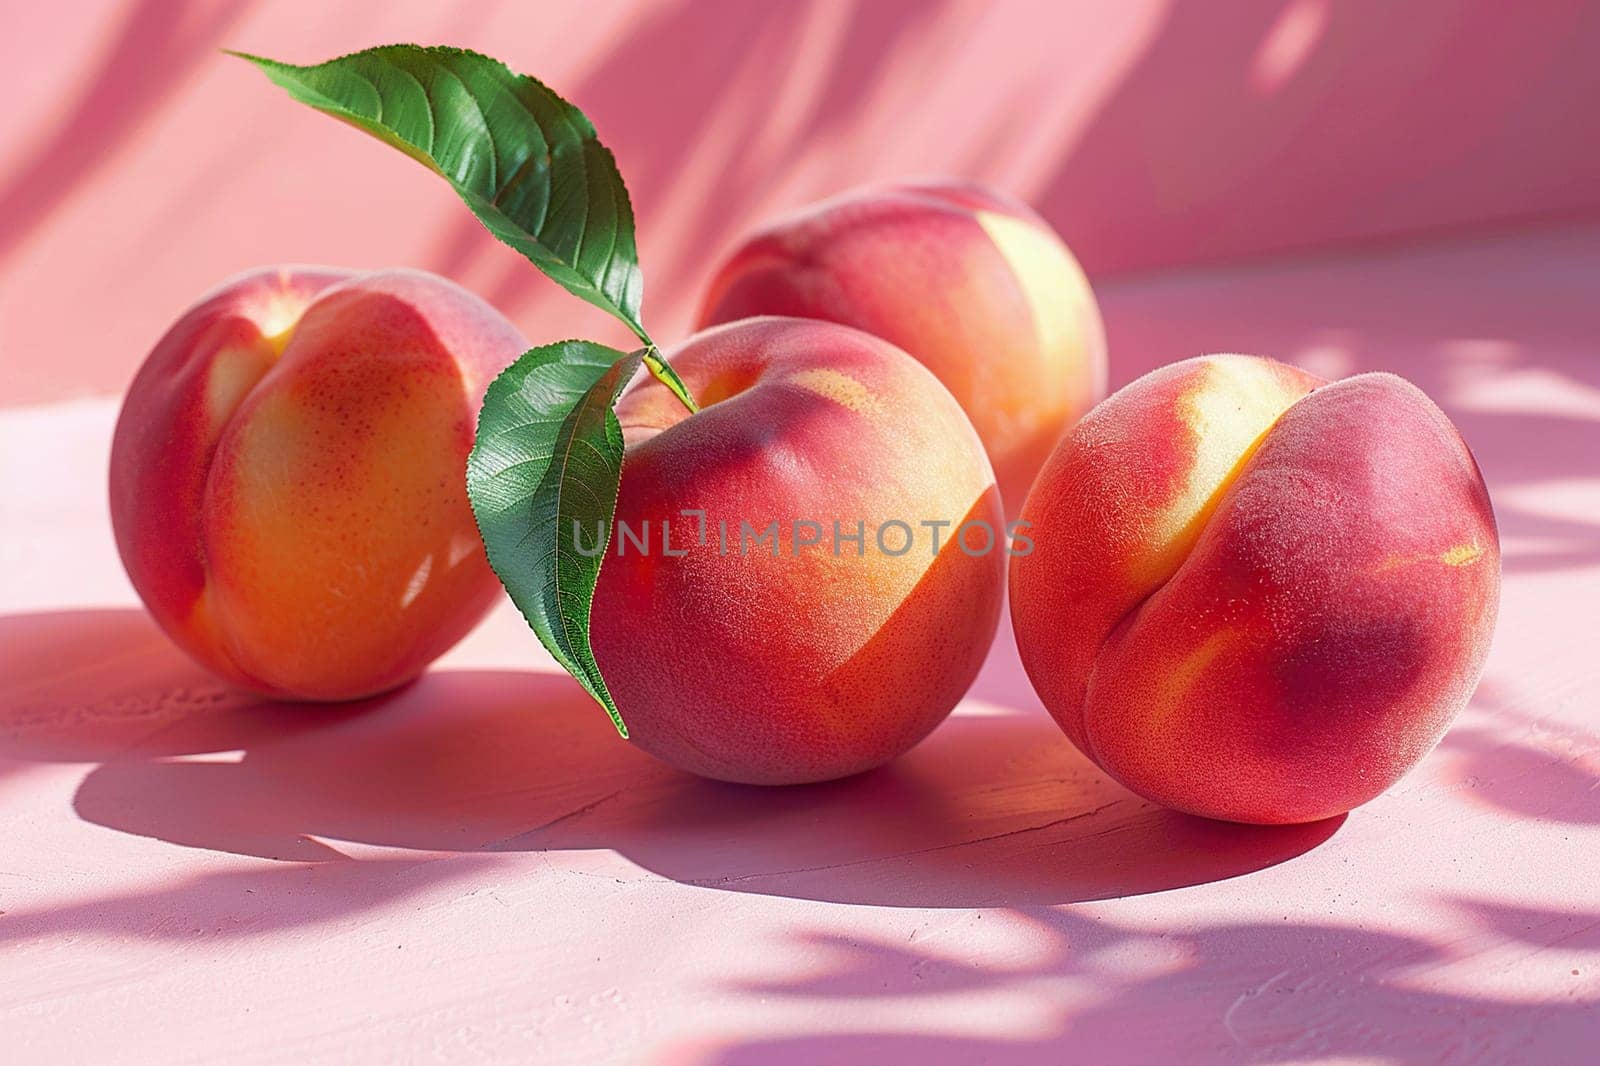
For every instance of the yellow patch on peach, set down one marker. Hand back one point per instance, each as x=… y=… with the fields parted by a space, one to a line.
x=1176 y=684
x=1228 y=412
x=1458 y=556
x=839 y=387
x=1058 y=293
x=232 y=374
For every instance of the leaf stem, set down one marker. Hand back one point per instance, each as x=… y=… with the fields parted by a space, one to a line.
x=662 y=371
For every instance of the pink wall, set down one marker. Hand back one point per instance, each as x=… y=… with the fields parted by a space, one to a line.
x=140 y=166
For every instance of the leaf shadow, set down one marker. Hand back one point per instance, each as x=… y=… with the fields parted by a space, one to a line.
x=153 y=53
x=244 y=903
x=1527 y=767
x=1229 y=991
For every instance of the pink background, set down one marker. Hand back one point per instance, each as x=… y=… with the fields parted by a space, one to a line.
x=140 y=166
x=478 y=870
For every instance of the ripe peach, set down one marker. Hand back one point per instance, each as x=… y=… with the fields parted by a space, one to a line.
x=287 y=477
x=806 y=656
x=973 y=284
x=1254 y=595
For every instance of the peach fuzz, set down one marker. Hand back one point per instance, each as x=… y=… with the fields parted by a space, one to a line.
x=974 y=285
x=1254 y=595
x=287 y=477
x=803 y=665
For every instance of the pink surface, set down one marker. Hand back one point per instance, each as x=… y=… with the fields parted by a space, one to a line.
x=141 y=166
x=476 y=869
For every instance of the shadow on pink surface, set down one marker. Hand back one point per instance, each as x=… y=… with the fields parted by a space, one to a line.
x=993 y=809
x=1524 y=764
x=246 y=903
x=1310 y=992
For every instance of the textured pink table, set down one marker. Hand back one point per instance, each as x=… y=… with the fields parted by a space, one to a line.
x=476 y=870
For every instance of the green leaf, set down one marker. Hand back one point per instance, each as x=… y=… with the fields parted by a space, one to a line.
x=543 y=472
x=524 y=160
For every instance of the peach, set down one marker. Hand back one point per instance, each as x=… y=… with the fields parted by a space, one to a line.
x=973 y=284
x=1254 y=595
x=778 y=648
x=287 y=477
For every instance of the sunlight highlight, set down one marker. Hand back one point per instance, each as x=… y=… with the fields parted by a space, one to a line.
x=1288 y=44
